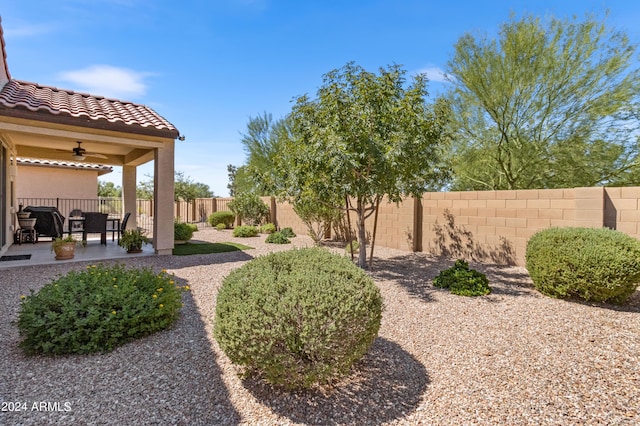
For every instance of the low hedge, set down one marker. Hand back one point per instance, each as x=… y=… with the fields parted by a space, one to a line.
x=596 y=264
x=225 y=217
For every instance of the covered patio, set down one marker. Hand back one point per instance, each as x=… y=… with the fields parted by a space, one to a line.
x=27 y=254
x=49 y=123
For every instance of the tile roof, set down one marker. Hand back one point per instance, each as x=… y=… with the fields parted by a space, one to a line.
x=101 y=168
x=34 y=101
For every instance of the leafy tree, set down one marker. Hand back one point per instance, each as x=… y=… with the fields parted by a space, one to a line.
x=364 y=137
x=263 y=143
x=543 y=106
x=109 y=189
x=185 y=189
x=188 y=190
x=239 y=180
x=249 y=208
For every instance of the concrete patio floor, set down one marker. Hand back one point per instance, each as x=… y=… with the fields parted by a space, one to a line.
x=41 y=253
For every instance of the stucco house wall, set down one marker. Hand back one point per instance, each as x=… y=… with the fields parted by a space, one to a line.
x=56 y=182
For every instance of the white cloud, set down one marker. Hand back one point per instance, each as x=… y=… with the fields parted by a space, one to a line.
x=108 y=81
x=433 y=74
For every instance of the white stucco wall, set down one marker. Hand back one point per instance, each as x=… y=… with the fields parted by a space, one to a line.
x=56 y=182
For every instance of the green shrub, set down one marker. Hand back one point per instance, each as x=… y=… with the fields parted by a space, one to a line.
x=268 y=228
x=222 y=217
x=288 y=232
x=221 y=226
x=97 y=309
x=277 y=238
x=249 y=208
x=297 y=318
x=245 y=231
x=461 y=280
x=183 y=231
x=589 y=263
x=356 y=247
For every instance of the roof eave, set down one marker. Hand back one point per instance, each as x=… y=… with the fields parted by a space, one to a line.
x=88 y=123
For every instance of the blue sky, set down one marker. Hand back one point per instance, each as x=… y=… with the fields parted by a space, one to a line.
x=209 y=65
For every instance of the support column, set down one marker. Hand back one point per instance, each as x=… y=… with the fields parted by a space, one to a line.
x=129 y=199
x=163 y=190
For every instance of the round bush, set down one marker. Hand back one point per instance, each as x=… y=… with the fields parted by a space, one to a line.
x=268 y=228
x=590 y=263
x=221 y=226
x=225 y=217
x=245 y=231
x=297 y=318
x=183 y=231
x=288 y=232
x=462 y=280
x=97 y=309
x=277 y=238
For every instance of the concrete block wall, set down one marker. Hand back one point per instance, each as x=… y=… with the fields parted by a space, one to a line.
x=495 y=226
x=492 y=226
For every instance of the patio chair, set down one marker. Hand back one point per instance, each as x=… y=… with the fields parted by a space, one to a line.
x=95 y=223
x=123 y=225
x=75 y=225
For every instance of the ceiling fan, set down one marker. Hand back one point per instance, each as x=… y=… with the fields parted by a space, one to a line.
x=79 y=153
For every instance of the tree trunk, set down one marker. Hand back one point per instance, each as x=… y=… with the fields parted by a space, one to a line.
x=362 y=236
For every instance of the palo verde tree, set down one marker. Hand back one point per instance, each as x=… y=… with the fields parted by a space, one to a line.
x=544 y=105
x=263 y=143
x=364 y=137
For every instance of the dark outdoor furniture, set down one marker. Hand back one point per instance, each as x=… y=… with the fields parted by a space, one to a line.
x=75 y=225
x=49 y=223
x=95 y=223
x=114 y=226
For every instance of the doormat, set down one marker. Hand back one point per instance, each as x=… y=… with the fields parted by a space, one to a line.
x=15 y=257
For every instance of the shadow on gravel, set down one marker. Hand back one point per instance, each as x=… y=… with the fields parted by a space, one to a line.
x=170 y=377
x=412 y=271
x=388 y=384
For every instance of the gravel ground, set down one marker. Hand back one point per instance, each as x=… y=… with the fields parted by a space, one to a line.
x=512 y=357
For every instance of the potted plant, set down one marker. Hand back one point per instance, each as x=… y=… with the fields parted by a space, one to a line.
x=64 y=248
x=132 y=240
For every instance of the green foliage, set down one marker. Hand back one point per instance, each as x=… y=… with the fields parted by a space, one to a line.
x=365 y=136
x=544 y=105
x=186 y=189
x=277 y=238
x=183 y=231
x=97 y=309
x=268 y=228
x=298 y=317
x=593 y=264
x=249 y=208
x=288 y=232
x=263 y=143
x=245 y=231
x=221 y=226
x=133 y=239
x=239 y=180
x=463 y=281
x=222 y=217
x=109 y=189
x=317 y=215
x=354 y=244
